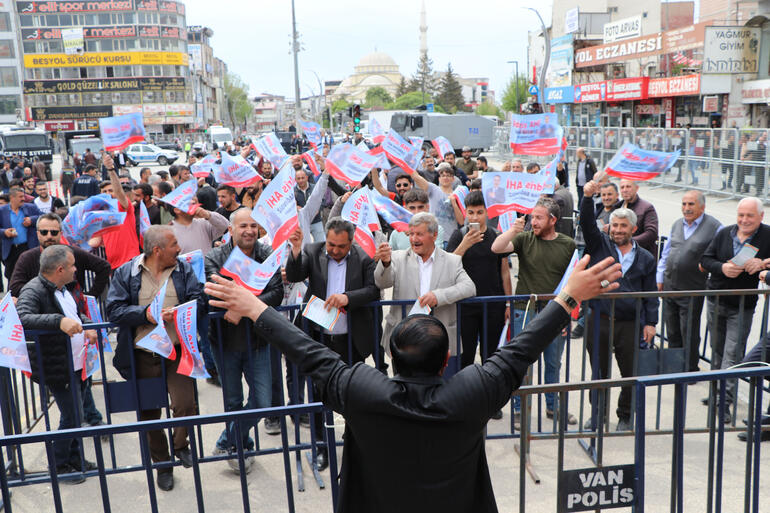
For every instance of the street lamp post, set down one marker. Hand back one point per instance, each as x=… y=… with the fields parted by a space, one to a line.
x=541 y=92
x=326 y=104
x=295 y=49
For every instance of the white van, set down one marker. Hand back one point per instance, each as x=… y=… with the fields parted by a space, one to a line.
x=219 y=135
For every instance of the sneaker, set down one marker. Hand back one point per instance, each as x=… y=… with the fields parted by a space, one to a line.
x=185 y=457
x=517 y=420
x=623 y=425
x=219 y=451
x=498 y=415
x=248 y=464
x=578 y=331
x=571 y=420
x=73 y=476
x=304 y=420
x=272 y=426
x=589 y=425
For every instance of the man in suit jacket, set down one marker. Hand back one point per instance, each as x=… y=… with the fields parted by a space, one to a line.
x=586 y=169
x=436 y=278
x=17 y=223
x=415 y=442
x=342 y=275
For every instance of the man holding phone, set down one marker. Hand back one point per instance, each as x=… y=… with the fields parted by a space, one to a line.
x=490 y=273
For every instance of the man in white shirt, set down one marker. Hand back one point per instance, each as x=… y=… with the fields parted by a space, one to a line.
x=45 y=304
x=44 y=201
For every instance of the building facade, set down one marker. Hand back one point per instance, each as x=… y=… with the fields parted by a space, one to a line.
x=208 y=79
x=10 y=67
x=131 y=57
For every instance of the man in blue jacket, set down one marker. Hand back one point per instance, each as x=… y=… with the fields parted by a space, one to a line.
x=17 y=223
x=133 y=287
x=638 y=267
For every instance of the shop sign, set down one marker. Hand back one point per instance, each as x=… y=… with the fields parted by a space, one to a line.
x=649 y=110
x=59 y=113
x=711 y=103
x=74 y=6
x=624 y=89
x=756 y=91
x=60 y=60
x=559 y=94
x=92 y=124
x=668 y=106
x=731 y=50
x=179 y=109
x=104 y=85
x=122 y=110
x=40 y=34
x=681 y=39
x=592 y=92
x=623 y=29
x=571 y=21
x=674 y=86
x=57 y=126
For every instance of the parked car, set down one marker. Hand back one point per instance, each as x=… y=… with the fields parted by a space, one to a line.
x=147 y=153
x=169 y=145
x=199 y=147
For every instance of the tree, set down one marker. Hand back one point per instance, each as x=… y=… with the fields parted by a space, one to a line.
x=489 y=109
x=410 y=101
x=340 y=104
x=237 y=98
x=377 y=97
x=509 y=93
x=422 y=78
x=403 y=87
x=450 y=94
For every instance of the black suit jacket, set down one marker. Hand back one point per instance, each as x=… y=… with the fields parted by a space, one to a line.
x=313 y=263
x=415 y=444
x=590 y=169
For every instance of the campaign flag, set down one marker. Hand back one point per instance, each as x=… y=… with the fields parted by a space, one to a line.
x=375 y=128
x=309 y=157
x=401 y=152
x=506 y=220
x=416 y=141
x=511 y=191
x=349 y=164
x=195 y=259
x=226 y=237
x=394 y=214
x=359 y=210
x=460 y=193
x=92 y=309
x=204 y=167
x=549 y=173
x=13 y=344
x=634 y=163
x=567 y=273
x=144 y=218
x=312 y=131
x=536 y=134
x=250 y=273
x=94 y=216
x=91 y=362
x=158 y=340
x=118 y=132
x=362 y=146
x=382 y=161
x=276 y=209
x=270 y=148
x=235 y=171
x=183 y=197
x=443 y=146
x=185 y=319
x=99 y=202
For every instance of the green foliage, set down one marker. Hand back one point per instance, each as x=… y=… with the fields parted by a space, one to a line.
x=509 y=93
x=422 y=78
x=377 y=97
x=490 y=109
x=409 y=101
x=237 y=98
x=403 y=87
x=450 y=95
x=339 y=105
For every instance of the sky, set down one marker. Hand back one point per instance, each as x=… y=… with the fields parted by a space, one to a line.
x=477 y=37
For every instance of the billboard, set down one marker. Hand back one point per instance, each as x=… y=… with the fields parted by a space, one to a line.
x=559 y=72
x=61 y=60
x=195 y=57
x=620 y=30
x=731 y=50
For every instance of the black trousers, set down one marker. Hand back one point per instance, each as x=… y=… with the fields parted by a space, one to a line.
x=472 y=330
x=625 y=335
x=13 y=256
x=679 y=317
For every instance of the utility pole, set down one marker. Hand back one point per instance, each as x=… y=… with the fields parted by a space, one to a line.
x=541 y=89
x=516 y=84
x=327 y=106
x=295 y=49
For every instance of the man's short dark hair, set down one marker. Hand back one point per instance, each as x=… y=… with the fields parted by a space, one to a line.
x=163 y=174
x=405 y=177
x=104 y=184
x=228 y=188
x=164 y=188
x=475 y=184
x=16 y=182
x=551 y=206
x=475 y=199
x=48 y=216
x=145 y=188
x=337 y=225
x=173 y=170
x=142 y=171
x=609 y=184
x=418 y=346
x=89 y=168
x=532 y=165
x=482 y=158
x=415 y=195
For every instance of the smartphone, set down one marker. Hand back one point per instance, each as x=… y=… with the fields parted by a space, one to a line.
x=474 y=226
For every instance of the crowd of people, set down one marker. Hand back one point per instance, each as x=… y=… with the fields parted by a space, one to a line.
x=451 y=252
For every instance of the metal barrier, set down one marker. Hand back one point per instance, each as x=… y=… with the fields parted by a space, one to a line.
x=19 y=390
x=728 y=162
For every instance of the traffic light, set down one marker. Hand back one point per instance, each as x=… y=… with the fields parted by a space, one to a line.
x=356 y=118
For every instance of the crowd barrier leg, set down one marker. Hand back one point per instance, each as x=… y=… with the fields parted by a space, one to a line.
x=287 y=464
x=639 y=447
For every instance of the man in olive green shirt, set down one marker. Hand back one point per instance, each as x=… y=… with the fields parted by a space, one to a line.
x=467 y=164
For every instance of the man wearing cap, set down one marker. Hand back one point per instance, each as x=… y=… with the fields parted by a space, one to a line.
x=467 y=164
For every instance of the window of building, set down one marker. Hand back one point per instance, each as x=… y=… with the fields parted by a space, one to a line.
x=6 y=49
x=8 y=77
x=104 y=18
x=73 y=99
x=51 y=20
x=9 y=104
x=92 y=45
x=69 y=72
x=131 y=97
x=29 y=47
x=151 y=97
x=5 y=22
x=24 y=21
x=65 y=20
x=97 y=72
x=90 y=19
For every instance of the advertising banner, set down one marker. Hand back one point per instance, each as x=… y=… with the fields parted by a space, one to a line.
x=536 y=134
x=504 y=192
x=119 y=132
x=634 y=163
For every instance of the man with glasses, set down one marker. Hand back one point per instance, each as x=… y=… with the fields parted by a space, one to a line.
x=415 y=201
x=28 y=267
